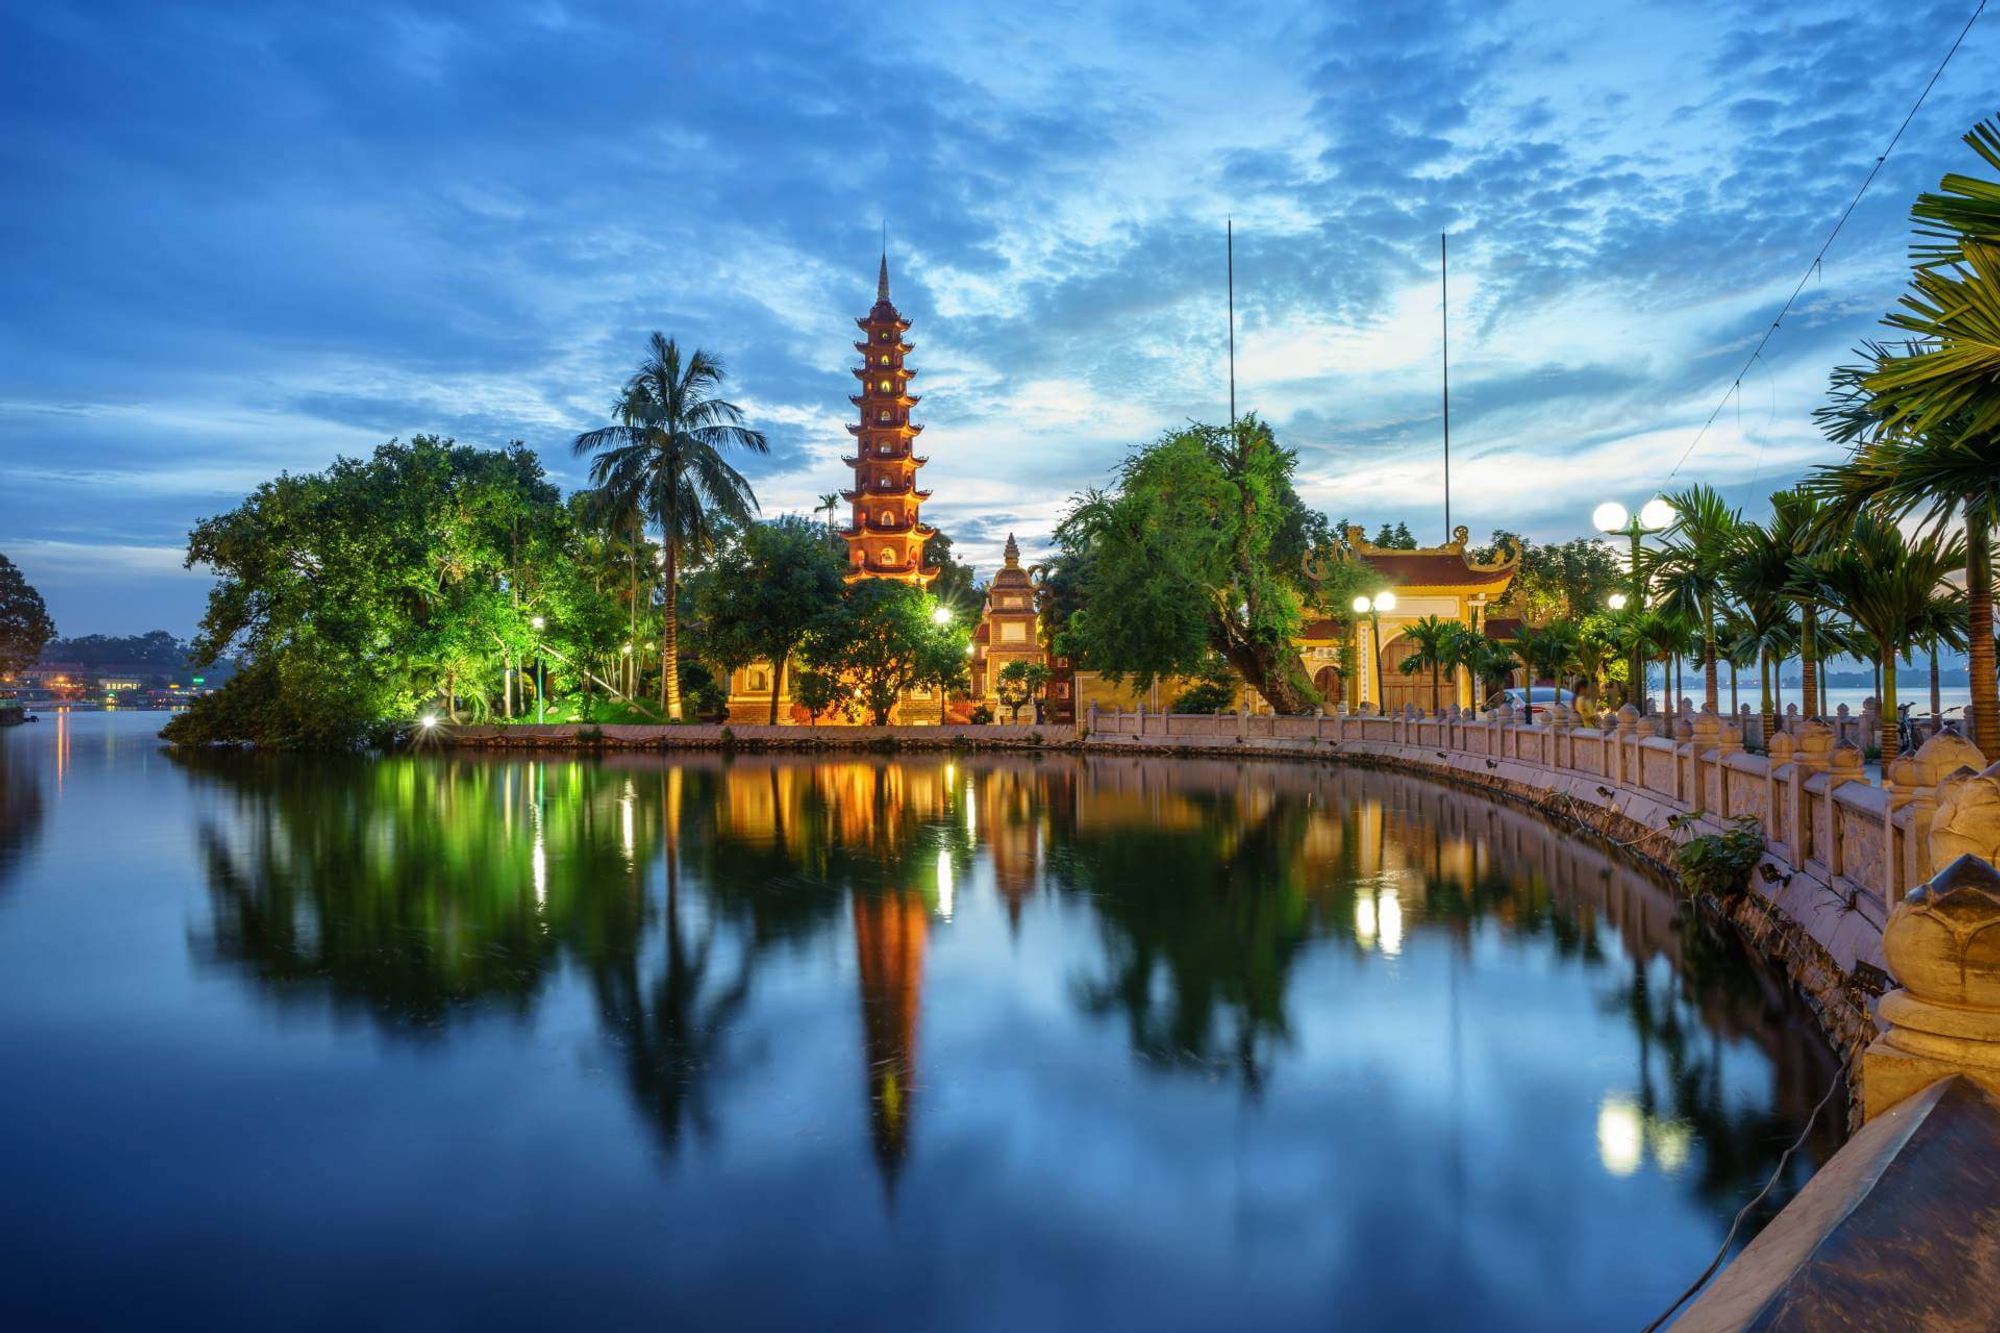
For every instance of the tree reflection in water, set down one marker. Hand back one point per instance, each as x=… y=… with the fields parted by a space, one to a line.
x=423 y=892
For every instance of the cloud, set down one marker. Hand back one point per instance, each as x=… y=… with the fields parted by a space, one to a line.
x=299 y=230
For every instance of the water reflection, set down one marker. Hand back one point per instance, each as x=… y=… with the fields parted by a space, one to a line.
x=1116 y=1028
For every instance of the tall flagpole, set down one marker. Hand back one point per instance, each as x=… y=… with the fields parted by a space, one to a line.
x=1444 y=327
x=1229 y=235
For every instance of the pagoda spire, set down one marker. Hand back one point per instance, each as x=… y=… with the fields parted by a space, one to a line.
x=1012 y=554
x=886 y=538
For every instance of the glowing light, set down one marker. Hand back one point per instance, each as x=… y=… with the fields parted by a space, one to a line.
x=1361 y=605
x=1389 y=922
x=1620 y=1136
x=1609 y=517
x=625 y=825
x=427 y=721
x=1364 y=920
x=1657 y=514
x=539 y=862
x=944 y=899
x=1385 y=601
x=1672 y=1144
x=941 y=615
x=1616 y=601
x=538 y=622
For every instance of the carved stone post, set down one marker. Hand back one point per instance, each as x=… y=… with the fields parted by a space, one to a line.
x=1942 y=944
x=1627 y=743
x=1845 y=768
x=1812 y=753
x=1705 y=731
x=1778 y=754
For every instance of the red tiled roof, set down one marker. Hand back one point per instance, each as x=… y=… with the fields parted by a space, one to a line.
x=1435 y=569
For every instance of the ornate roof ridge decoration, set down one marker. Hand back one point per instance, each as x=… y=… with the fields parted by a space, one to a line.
x=1359 y=544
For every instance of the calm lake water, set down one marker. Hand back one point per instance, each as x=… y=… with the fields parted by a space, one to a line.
x=899 y=1043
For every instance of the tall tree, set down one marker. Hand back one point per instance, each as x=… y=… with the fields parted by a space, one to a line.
x=1432 y=640
x=1927 y=413
x=768 y=589
x=1199 y=549
x=667 y=454
x=24 y=620
x=1692 y=566
x=1895 y=590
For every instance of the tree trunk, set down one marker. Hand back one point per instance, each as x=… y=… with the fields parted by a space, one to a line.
x=1808 y=661
x=777 y=684
x=1766 y=707
x=670 y=630
x=1711 y=693
x=1892 y=739
x=1276 y=675
x=1937 y=697
x=1979 y=654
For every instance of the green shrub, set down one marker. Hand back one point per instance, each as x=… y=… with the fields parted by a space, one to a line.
x=1719 y=863
x=981 y=716
x=265 y=707
x=1209 y=696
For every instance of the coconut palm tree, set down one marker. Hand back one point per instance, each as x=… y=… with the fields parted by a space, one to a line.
x=1431 y=639
x=1927 y=412
x=665 y=455
x=829 y=504
x=1760 y=578
x=1895 y=590
x=1691 y=566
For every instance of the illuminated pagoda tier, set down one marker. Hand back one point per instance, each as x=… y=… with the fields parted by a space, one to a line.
x=886 y=537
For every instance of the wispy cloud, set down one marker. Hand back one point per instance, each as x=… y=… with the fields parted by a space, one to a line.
x=299 y=230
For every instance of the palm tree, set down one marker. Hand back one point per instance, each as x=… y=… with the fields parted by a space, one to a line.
x=665 y=457
x=1762 y=579
x=829 y=504
x=1431 y=638
x=1691 y=567
x=1928 y=413
x=1895 y=590
x=1544 y=651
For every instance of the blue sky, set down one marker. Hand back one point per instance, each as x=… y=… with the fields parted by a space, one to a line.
x=240 y=238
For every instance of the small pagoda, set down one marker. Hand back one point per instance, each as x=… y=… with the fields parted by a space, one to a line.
x=886 y=537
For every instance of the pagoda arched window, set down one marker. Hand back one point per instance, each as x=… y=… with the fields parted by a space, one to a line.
x=884 y=386
x=883 y=415
x=888 y=555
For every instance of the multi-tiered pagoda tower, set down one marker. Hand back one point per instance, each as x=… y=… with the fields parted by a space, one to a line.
x=886 y=539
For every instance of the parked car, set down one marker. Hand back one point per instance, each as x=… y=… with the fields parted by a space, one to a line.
x=1538 y=700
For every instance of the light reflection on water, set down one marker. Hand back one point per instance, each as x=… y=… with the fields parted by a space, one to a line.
x=904 y=1042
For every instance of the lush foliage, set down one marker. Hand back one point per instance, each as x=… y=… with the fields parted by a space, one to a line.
x=1719 y=864
x=665 y=459
x=770 y=589
x=374 y=587
x=1199 y=549
x=24 y=621
x=1556 y=581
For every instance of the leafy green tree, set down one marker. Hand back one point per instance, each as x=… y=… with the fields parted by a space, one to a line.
x=818 y=692
x=666 y=457
x=363 y=591
x=1692 y=564
x=1561 y=581
x=1545 y=651
x=1213 y=690
x=1895 y=590
x=1199 y=549
x=1398 y=538
x=25 y=626
x=1021 y=684
x=883 y=640
x=768 y=589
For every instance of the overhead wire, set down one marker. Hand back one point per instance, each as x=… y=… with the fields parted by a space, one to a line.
x=1737 y=383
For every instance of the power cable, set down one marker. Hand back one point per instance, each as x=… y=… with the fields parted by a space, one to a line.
x=1813 y=267
x=1743 y=1212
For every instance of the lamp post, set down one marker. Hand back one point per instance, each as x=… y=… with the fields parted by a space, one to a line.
x=941 y=617
x=1610 y=518
x=541 y=684
x=1373 y=607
